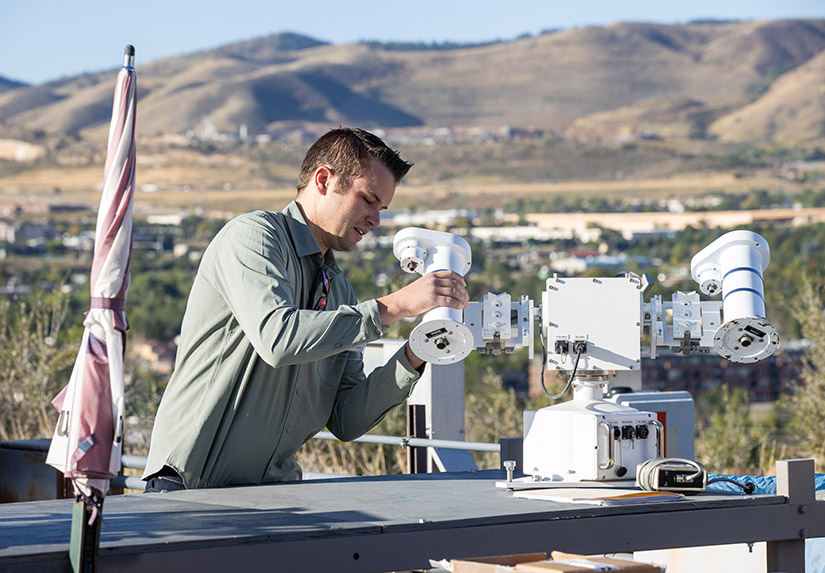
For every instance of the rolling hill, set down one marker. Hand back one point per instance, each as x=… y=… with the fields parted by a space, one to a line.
x=8 y=84
x=738 y=81
x=792 y=110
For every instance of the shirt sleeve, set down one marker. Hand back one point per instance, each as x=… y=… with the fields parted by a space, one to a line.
x=250 y=268
x=362 y=401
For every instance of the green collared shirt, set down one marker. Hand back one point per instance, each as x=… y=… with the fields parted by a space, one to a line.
x=256 y=373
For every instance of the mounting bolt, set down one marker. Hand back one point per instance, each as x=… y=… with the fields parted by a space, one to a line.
x=510 y=466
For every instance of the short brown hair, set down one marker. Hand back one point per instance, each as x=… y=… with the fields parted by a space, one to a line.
x=346 y=151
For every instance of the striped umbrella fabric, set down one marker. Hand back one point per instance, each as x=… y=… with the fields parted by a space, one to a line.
x=88 y=441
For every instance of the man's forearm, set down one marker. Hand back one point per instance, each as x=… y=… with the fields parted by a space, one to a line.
x=415 y=361
x=389 y=310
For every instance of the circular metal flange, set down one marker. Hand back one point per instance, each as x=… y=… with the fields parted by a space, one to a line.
x=441 y=341
x=746 y=340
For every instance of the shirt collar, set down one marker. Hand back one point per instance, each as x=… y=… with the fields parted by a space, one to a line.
x=304 y=242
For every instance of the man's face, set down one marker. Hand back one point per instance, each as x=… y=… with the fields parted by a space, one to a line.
x=349 y=215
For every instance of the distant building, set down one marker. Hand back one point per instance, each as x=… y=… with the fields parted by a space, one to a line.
x=14 y=210
x=83 y=241
x=632 y=224
x=16 y=150
x=424 y=218
x=764 y=381
x=519 y=235
x=23 y=234
x=160 y=238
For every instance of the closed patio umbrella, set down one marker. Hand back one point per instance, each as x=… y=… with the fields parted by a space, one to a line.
x=88 y=441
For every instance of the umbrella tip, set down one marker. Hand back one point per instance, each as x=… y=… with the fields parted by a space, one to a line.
x=129 y=56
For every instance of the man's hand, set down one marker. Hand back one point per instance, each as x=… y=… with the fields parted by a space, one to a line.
x=441 y=288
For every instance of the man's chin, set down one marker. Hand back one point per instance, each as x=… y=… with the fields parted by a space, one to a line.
x=354 y=242
x=347 y=241
x=345 y=246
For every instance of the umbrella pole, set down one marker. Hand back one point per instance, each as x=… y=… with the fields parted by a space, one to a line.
x=85 y=540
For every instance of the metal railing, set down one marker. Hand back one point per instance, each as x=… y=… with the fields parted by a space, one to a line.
x=130 y=482
x=139 y=462
x=418 y=442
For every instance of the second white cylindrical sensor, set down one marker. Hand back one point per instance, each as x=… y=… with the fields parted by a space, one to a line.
x=733 y=264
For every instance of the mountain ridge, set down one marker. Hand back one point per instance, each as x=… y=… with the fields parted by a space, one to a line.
x=687 y=80
x=8 y=83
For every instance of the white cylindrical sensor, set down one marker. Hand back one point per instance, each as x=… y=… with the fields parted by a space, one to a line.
x=743 y=288
x=734 y=264
x=441 y=337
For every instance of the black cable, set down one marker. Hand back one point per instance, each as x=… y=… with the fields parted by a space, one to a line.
x=579 y=353
x=747 y=487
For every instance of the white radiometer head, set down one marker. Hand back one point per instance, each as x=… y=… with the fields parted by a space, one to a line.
x=441 y=337
x=731 y=251
x=733 y=265
x=424 y=251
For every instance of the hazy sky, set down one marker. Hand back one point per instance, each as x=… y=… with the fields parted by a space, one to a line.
x=41 y=40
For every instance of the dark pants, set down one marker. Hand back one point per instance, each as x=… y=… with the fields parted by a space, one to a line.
x=165 y=480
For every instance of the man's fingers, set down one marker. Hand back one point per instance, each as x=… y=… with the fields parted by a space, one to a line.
x=450 y=275
x=449 y=301
x=453 y=295
x=451 y=285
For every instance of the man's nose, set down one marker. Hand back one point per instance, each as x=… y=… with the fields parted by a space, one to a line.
x=374 y=218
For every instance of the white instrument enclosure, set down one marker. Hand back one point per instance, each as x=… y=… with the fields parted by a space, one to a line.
x=574 y=441
x=603 y=312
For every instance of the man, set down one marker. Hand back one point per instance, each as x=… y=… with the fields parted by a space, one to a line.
x=265 y=357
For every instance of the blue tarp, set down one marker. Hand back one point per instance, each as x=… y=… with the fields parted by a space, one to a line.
x=764 y=484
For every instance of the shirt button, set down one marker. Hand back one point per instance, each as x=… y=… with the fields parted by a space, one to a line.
x=298 y=391
x=289 y=429
x=338 y=345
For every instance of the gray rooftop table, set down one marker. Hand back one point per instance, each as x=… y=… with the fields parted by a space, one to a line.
x=388 y=523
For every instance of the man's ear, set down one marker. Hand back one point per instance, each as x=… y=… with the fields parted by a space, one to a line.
x=322 y=179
